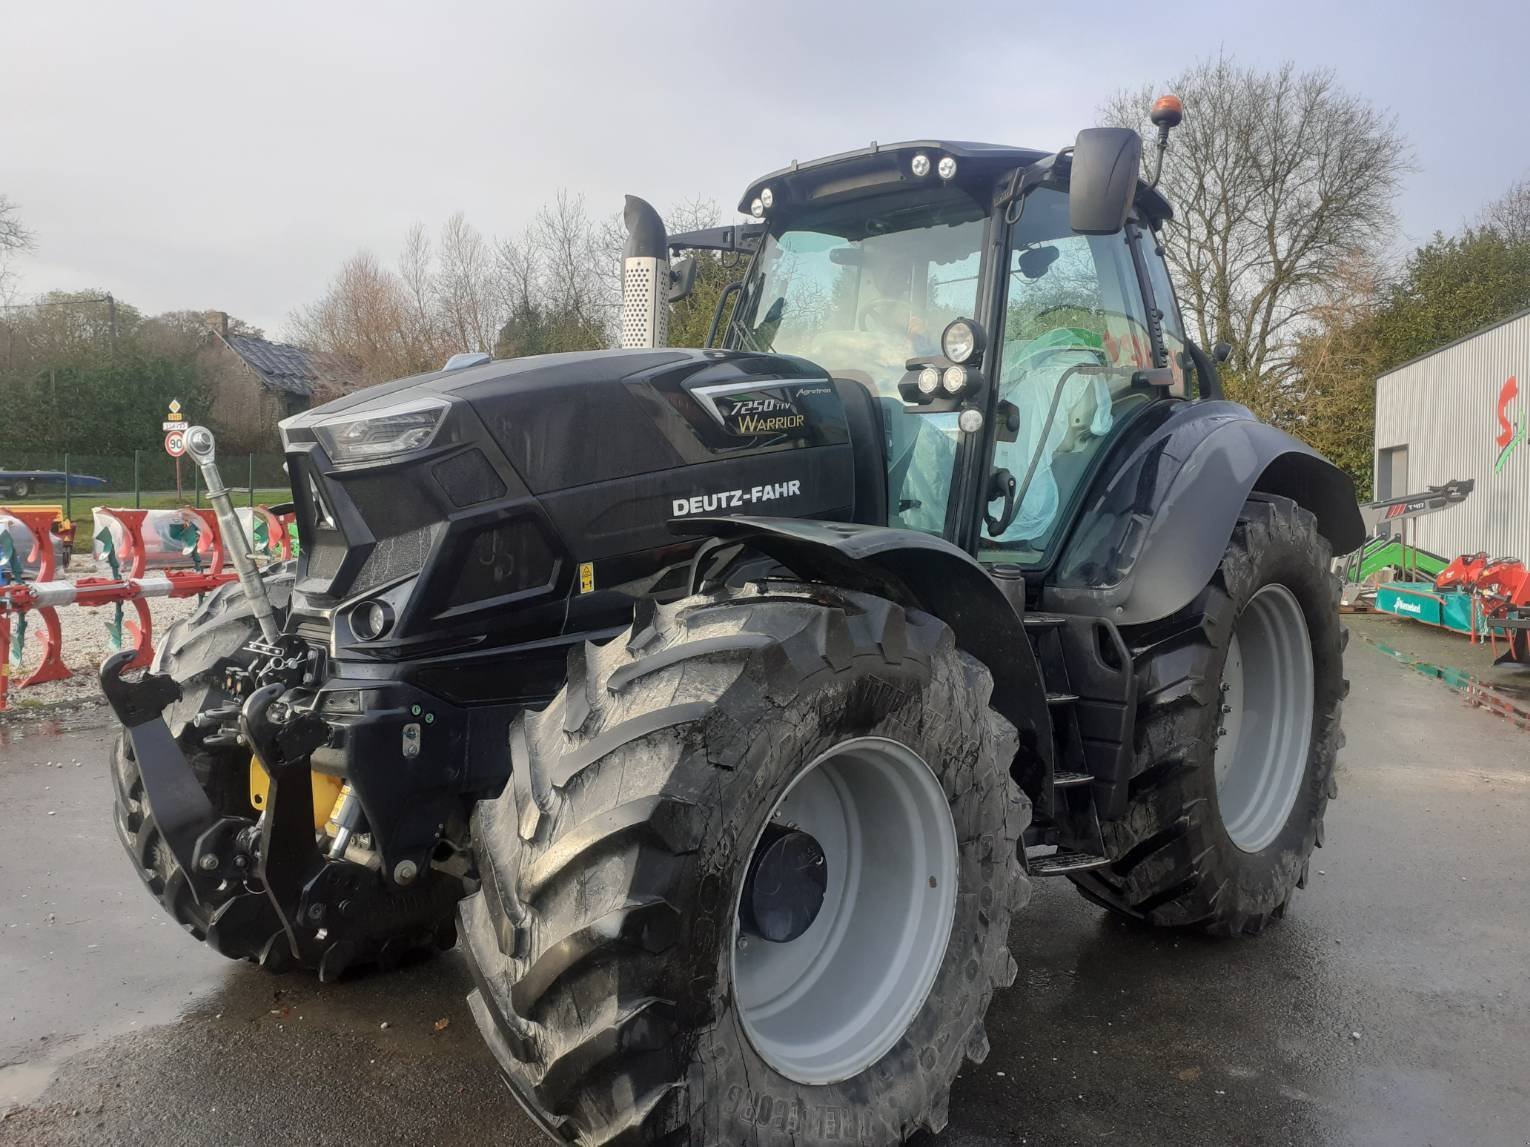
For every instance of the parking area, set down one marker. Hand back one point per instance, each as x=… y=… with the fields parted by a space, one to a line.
x=1392 y=1006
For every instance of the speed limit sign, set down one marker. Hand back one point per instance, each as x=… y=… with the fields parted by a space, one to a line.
x=175 y=443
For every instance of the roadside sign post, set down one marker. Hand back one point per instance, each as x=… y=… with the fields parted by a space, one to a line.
x=175 y=426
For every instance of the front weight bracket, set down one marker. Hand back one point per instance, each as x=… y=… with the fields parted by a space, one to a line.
x=283 y=740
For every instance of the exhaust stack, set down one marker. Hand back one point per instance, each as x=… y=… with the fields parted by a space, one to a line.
x=645 y=277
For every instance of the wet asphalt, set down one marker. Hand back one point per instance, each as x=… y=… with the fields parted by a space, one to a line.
x=1391 y=1006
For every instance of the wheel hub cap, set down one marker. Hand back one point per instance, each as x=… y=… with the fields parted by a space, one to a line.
x=785 y=886
x=833 y=960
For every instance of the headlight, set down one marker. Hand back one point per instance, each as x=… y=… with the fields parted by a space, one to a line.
x=381 y=433
x=960 y=341
x=929 y=380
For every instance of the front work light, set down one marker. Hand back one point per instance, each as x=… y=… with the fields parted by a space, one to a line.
x=954 y=379
x=920 y=165
x=961 y=341
x=757 y=208
x=381 y=433
x=767 y=198
x=929 y=380
x=946 y=168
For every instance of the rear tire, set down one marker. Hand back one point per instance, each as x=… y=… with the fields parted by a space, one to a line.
x=603 y=941
x=1226 y=857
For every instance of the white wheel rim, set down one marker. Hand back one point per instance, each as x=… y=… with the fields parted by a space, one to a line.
x=1267 y=701
x=825 y=1006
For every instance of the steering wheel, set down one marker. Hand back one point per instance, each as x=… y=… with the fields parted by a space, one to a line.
x=877 y=305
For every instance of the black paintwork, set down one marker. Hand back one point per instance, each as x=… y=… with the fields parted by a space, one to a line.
x=562 y=489
x=1152 y=522
x=581 y=459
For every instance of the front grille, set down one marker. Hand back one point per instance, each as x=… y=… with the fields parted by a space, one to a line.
x=325 y=554
x=397 y=557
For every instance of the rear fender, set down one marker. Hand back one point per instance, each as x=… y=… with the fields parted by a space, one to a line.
x=931 y=574
x=1154 y=527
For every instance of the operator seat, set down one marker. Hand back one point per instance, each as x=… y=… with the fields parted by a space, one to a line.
x=868 y=444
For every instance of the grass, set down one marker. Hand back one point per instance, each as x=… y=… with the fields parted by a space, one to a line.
x=82 y=504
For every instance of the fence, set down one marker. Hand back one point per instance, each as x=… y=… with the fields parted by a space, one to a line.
x=144 y=476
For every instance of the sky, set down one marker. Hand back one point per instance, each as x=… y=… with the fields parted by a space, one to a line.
x=231 y=155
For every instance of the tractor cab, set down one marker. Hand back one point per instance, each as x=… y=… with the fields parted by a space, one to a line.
x=1008 y=311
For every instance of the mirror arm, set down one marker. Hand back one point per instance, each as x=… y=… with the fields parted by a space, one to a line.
x=1024 y=180
x=722 y=305
x=1210 y=380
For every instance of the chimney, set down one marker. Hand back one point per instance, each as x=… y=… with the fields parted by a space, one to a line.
x=217 y=322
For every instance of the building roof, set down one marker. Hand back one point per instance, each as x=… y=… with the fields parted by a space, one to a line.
x=293 y=369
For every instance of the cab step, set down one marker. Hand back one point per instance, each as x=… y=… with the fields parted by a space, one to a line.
x=1066 y=780
x=1063 y=862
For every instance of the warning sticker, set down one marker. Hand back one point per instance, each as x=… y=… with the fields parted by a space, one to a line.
x=586 y=577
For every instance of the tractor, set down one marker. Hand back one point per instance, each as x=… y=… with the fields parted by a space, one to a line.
x=723 y=703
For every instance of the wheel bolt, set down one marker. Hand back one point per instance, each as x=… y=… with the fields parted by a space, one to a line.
x=208 y=862
x=1222 y=732
x=743 y=943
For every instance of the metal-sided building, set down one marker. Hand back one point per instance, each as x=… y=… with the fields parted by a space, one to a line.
x=1462 y=411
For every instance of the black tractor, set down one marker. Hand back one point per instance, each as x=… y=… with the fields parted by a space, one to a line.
x=724 y=702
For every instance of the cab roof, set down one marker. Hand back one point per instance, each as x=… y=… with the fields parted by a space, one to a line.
x=882 y=167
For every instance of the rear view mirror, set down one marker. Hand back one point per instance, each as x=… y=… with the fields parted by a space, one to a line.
x=682 y=278
x=1103 y=179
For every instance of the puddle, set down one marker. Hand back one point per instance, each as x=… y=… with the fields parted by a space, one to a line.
x=17 y=726
x=1472 y=689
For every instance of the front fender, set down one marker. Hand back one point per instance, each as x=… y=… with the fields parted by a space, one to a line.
x=930 y=573
x=1154 y=528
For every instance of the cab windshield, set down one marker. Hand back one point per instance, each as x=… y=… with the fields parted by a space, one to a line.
x=860 y=289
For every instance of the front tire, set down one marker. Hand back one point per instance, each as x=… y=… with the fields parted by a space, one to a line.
x=605 y=942
x=1240 y=697
x=194 y=651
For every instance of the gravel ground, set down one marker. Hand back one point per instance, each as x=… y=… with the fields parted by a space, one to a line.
x=85 y=645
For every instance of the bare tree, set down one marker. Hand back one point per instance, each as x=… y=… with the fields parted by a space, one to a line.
x=1509 y=214
x=415 y=270
x=14 y=239
x=465 y=287
x=1278 y=180
x=363 y=315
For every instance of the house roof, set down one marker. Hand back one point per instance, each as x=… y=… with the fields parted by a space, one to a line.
x=293 y=369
